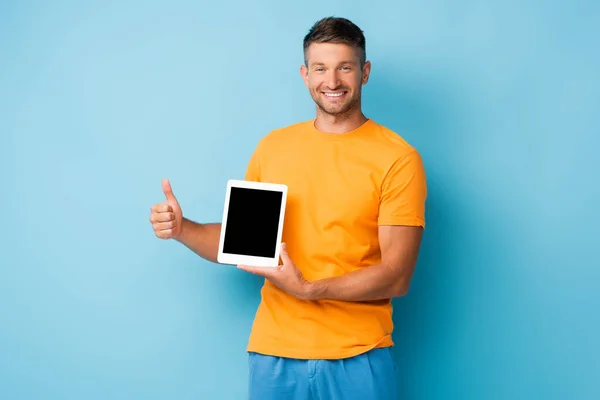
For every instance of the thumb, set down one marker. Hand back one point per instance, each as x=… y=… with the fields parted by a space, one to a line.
x=285 y=257
x=166 y=187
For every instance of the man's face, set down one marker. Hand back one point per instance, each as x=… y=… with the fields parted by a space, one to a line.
x=334 y=77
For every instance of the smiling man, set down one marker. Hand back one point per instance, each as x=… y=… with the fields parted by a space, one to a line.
x=352 y=233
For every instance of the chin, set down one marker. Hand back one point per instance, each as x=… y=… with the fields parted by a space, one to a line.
x=337 y=111
x=340 y=110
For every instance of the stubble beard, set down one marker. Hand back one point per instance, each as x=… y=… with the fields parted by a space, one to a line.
x=344 y=110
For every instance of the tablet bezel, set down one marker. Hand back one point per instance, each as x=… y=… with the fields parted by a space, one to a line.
x=257 y=261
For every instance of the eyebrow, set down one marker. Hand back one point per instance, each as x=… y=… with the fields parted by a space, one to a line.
x=341 y=62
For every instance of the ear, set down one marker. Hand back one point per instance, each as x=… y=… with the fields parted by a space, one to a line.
x=366 y=72
x=304 y=74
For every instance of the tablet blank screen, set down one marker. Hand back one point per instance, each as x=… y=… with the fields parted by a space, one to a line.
x=252 y=222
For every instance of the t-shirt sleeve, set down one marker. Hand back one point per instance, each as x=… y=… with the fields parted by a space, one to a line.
x=403 y=192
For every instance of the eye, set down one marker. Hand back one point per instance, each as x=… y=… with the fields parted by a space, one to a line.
x=346 y=68
x=319 y=69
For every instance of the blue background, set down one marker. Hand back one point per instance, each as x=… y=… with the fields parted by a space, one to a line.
x=99 y=102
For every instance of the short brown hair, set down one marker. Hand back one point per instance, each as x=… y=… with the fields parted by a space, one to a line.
x=336 y=30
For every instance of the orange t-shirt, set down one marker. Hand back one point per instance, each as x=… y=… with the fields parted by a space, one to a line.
x=340 y=188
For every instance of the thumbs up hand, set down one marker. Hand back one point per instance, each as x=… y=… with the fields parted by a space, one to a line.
x=166 y=217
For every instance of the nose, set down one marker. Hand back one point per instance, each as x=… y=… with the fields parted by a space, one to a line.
x=333 y=80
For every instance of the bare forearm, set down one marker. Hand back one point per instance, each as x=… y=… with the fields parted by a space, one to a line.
x=367 y=284
x=202 y=239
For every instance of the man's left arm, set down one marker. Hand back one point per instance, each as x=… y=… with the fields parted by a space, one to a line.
x=391 y=278
x=401 y=222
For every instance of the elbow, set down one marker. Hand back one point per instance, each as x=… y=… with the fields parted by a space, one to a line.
x=401 y=288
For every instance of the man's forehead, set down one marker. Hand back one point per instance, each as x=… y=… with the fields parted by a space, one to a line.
x=326 y=53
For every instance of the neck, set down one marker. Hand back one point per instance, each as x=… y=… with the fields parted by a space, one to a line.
x=340 y=123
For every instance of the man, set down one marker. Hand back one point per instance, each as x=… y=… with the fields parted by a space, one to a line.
x=352 y=232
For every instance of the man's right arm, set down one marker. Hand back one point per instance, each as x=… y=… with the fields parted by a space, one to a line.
x=168 y=223
x=202 y=239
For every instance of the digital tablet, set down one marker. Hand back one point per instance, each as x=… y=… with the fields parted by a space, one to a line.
x=252 y=223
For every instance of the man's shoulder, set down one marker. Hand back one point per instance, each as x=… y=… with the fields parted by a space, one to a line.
x=291 y=129
x=280 y=135
x=390 y=142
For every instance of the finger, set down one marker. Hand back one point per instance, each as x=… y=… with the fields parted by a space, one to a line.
x=262 y=271
x=161 y=207
x=163 y=226
x=163 y=217
x=165 y=233
x=168 y=191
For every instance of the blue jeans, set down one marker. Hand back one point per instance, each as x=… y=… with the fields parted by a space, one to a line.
x=368 y=376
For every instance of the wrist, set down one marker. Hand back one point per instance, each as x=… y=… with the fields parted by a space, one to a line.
x=313 y=290
x=184 y=229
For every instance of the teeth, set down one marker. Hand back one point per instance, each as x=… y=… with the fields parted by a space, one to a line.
x=334 y=94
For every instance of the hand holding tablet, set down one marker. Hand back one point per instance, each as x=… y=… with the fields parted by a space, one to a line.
x=252 y=224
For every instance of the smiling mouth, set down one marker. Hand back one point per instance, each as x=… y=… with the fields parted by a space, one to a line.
x=335 y=95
